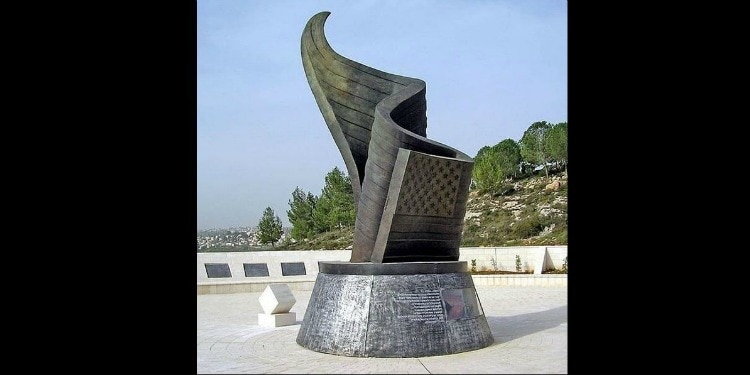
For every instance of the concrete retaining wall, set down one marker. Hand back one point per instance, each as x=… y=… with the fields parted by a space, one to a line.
x=273 y=259
x=533 y=258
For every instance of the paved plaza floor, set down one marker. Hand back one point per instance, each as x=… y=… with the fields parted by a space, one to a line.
x=529 y=325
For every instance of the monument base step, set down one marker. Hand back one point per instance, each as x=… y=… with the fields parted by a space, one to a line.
x=414 y=309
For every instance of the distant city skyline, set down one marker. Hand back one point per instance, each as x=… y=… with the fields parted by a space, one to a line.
x=492 y=68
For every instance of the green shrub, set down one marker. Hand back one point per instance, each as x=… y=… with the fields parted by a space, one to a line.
x=471 y=227
x=518 y=263
x=504 y=190
x=528 y=227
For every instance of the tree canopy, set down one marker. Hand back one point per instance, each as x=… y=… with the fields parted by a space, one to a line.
x=300 y=214
x=543 y=144
x=334 y=208
x=557 y=143
x=493 y=165
x=534 y=148
x=269 y=228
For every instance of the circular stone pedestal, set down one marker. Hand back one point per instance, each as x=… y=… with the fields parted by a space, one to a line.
x=414 y=309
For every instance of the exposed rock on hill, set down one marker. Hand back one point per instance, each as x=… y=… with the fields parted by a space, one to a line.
x=534 y=212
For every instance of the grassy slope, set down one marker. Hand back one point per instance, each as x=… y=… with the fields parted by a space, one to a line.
x=528 y=215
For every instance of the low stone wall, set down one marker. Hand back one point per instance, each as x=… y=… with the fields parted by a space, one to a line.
x=221 y=287
x=262 y=265
x=534 y=259
x=306 y=283
x=242 y=272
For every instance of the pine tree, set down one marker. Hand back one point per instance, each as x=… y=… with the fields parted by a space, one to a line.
x=557 y=143
x=269 y=228
x=300 y=214
x=534 y=145
x=493 y=165
x=335 y=206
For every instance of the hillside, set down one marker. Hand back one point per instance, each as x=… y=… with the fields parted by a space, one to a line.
x=532 y=211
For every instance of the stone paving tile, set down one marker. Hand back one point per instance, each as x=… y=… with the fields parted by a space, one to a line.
x=529 y=325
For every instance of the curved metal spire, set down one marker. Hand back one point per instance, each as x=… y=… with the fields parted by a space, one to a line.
x=410 y=191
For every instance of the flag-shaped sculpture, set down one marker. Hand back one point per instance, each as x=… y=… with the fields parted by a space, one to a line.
x=410 y=192
x=404 y=293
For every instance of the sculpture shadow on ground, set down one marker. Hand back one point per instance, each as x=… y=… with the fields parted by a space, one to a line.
x=509 y=328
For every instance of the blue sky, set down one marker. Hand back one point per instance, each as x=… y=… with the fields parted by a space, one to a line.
x=492 y=68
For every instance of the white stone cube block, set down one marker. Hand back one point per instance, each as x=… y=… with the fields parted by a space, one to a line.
x=277 y=320
x=277 y=298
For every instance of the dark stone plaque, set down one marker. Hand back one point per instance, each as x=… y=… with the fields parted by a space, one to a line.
x=293 y=268
x=217 y=270
x=255 y=269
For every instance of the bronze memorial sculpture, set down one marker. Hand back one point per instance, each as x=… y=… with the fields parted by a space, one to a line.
x=403 y=293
